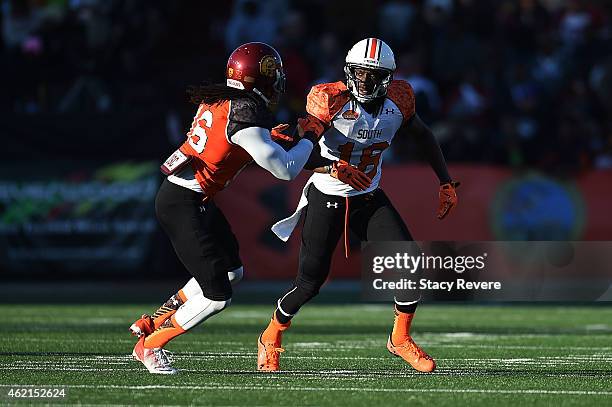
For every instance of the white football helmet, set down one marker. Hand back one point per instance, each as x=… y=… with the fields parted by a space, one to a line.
x=370 y=53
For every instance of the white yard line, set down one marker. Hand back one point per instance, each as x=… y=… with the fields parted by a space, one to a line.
x=124 y=359
x=331 y=374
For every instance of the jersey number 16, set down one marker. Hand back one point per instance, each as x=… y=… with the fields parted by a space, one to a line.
x=370 y=156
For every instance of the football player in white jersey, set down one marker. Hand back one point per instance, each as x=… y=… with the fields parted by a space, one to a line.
x=360 y=120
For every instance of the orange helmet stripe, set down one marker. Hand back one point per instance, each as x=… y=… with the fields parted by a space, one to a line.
x=373 y=46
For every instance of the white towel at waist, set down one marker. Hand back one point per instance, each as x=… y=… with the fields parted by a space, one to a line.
x=283 y=228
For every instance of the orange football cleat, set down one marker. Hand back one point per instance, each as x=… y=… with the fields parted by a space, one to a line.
x=413 y=354
x=143 y=327
x=268 y=355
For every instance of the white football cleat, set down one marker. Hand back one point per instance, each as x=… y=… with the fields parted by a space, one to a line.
x=142 y=327
x=156 y=360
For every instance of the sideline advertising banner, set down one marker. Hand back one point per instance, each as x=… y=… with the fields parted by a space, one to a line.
x=77 y=217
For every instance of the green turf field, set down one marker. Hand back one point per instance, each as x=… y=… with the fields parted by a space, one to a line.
x=335 y=355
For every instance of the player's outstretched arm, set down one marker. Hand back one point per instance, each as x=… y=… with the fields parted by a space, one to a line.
x=315 y=162
x=284 y=165
x=430 y=148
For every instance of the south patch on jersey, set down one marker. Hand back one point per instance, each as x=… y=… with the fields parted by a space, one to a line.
x=355 y=135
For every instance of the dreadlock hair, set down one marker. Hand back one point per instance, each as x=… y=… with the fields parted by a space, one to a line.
x=212 y=94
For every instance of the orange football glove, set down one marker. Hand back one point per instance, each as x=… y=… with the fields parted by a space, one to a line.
x=448 y=198
x=344 y=172
x=277 y=133
x=310 y=127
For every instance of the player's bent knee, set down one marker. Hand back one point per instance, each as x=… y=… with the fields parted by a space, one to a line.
x=235 y=275
x=198 y=309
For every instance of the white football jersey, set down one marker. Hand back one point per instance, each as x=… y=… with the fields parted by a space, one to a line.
x=359 y=138
x=355 y=135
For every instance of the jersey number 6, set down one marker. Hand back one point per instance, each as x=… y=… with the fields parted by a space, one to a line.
x=197 y=134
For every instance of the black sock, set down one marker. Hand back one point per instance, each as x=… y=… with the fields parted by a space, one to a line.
x=280 y=317
x=407 y=309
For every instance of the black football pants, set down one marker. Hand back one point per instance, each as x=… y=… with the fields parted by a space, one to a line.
x=371 y=217
x=201 y=236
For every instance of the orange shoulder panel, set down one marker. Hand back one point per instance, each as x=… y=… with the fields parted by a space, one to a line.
x=325 y=100
x=401 y=93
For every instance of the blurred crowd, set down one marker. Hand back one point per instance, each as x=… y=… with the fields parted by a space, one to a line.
x=524 y=83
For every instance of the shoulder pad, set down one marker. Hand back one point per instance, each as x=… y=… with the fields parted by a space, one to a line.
x=401 y=93
x=245 y=113
x=325 y=100
x=248 y=112
x=244 y=110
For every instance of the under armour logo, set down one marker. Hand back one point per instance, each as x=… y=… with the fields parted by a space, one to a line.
x=389 y=111
x=202 y=208
x=334 y=204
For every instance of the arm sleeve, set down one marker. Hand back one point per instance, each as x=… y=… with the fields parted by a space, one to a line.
x=314 y=161
x=429 y=146
x=284 y=165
